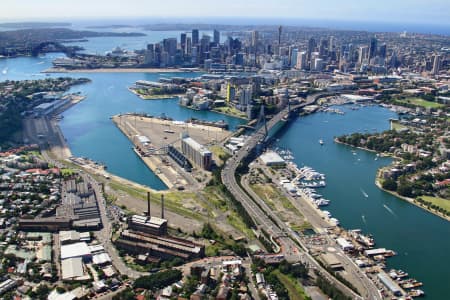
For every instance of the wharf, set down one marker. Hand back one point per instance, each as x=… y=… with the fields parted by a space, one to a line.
x=151 y=162
x=158 y=134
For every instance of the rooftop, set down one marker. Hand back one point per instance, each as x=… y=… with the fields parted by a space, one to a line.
x=72 y=268
x=75 y=250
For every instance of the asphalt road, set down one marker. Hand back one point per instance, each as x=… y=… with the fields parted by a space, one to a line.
x=259 y=212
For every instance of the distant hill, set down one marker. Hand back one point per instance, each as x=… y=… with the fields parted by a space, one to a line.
x=21 y=25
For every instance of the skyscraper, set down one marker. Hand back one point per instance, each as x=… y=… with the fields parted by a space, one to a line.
x=362 y=56
x=382 y=51
x=311 y=47
x=195 y=37
x=183 y=43
x=436 y=64
x=280 y=30
x=216 y=37
x=373 y=47
x=255 y=41
x=301 y=61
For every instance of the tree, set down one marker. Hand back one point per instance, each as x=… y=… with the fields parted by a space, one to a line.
x=125 y=295
x=405 y=189
x=158 y=280
x=389 y=184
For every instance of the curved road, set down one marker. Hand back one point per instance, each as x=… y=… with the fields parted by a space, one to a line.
x=260 y=213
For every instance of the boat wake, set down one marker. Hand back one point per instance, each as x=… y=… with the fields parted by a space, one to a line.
x=364 y=219
x=364 y=193
x=389 y=210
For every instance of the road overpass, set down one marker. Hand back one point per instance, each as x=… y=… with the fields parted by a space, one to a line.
x=264 y=218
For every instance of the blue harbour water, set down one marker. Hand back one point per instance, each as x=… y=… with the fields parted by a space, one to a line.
x=421 y=239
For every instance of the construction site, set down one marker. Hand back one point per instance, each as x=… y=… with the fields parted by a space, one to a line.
x=177 y=152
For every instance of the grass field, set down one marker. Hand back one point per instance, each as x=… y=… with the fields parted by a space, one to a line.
x=218 y=152
x=231 y=111
x=397 y=126
x=441 y=202
x=173 y=200
x=421 y=102
x=295 y=290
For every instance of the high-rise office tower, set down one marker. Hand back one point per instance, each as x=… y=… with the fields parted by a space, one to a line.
x=311 y=47
x=293 y=54
x=188 y=45
x=149 y=54
x=195 y=37
x=280 y=30
x=373 y=47
x=183 y=43
x=436 y=64
x=301 y=61
x=331 y=44
x=255 y=41
x=170 y=46
x=382 y=51
x=216 y=37
x=363 y=52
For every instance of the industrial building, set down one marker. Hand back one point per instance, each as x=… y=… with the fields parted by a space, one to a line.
x=332 y=261
x=52 y=224
x=72 y=268
x=147 y=237
x=151 y=225
x=272 y=158
x=179 y=158
x=160 y=247
x=198 y=154
x=80 y=249
x=390 y=284
x=344 y=244
x=7 y=285
x=69 y=237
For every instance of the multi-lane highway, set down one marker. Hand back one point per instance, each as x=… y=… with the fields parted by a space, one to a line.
x=267 y=220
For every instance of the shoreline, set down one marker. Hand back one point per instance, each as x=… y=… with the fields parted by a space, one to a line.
x=155 y=97
x=146 y=160
x=116 y=70
x=411 y=201
x=234 y=116
x=395 y=194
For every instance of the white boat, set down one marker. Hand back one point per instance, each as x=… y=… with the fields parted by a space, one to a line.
x=5 y=70
x=322 y=202
x=335 y=221
x=321 y=141
x=364 y=193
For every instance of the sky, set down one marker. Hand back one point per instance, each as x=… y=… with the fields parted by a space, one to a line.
x=392 y=11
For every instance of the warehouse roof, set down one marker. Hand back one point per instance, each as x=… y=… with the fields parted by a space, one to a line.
x=72 y=268
x=75 y=250
x=272 y=158
x=100 y=259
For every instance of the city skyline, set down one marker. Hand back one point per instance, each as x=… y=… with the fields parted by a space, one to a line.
x=418 y=12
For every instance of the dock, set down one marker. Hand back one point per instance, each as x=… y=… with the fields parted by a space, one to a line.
x=151 y=138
